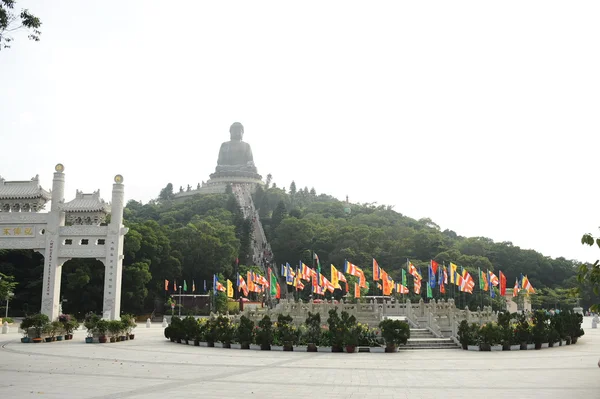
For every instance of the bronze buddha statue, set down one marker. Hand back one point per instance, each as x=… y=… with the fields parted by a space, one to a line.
x=235 y=155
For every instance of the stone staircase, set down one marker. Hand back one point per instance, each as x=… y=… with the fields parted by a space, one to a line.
x=421 y=338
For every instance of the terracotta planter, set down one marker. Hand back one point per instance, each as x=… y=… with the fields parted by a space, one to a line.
x=36 y=340
x=311 y=348
x=102 y=339
x=390 y=348
x=350 y=348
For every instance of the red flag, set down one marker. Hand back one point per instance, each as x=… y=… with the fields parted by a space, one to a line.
x=442 y=288
x=502 y=284
x=278 y=292
x=434 y=267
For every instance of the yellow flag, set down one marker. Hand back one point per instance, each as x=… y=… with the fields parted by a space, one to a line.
x=334 y=278
x=229 y=289
x=453 y=269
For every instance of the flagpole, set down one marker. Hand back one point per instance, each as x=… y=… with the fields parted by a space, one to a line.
x=180 y=304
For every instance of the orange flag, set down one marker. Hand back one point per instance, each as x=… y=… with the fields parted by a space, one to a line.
x=356 y=291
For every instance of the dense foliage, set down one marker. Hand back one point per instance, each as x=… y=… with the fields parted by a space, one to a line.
x=206 y=234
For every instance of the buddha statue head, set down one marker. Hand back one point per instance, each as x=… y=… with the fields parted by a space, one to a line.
x=236 y=131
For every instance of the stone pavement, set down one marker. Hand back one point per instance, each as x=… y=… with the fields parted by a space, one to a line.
x=151 y=367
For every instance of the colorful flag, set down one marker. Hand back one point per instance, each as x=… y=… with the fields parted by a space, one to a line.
x=412 y=270
x=215 y=281
x=250 y=281
x=516 y=289
x=184 y=286
x=242 y=285
x=334 y=277
x=442 y=288
x=193 y=286
x=467 y=282
x=445 y=275
x=278 y=293
x=483 y=282
x=283 y=271
x=166 y=285
x=290 y=276
x=453 y=271
x=431 y=274
x=417 y=286
x=204 y=285
x=229 y=289
x=273 y=283
x=356 y=271
x=376 y=271
x=379 y=287
x=502 y=284
x=175 y=285
x=493 y=279
x=527 y=286
x=356 y=290
x=404 y=282
x=220 y=287
x=429 y=292
x=327 y=284
x=316 y=258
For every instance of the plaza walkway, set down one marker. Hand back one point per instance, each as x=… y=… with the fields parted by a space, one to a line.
x=150 y=367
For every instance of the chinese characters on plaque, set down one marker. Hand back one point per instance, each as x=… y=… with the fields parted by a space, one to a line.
x=24 y=231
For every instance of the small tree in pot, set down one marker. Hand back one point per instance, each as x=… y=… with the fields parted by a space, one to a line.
x=264 y=335
x=90 y=323
x=37 y=322
x=539 y=331
x=114 y=327
x=489 y=335
x=523 y=331
x=394 y=332
x=102 y=329
x=245 y=332
x=129 y=323
x=287 y=332
x=225 y=330
x=313 y=333
x=190 y=329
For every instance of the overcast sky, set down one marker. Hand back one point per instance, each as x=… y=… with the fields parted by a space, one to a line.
x=483 y=116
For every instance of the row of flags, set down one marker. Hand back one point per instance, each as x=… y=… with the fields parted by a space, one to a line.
x=184 y=287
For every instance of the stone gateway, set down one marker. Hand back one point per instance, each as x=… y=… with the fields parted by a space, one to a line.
x=74 y=229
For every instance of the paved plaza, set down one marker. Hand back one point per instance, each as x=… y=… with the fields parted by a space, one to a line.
x=151 y=367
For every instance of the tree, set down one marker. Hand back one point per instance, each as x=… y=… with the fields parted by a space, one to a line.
x=268 y=182
x=7 y=286
x=293 y=188
x=10 y=22
x=166 y=193
x=278 y=215
x=590 y=274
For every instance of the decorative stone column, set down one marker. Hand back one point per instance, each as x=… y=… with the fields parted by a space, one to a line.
x=113 y=269
x=52 y=266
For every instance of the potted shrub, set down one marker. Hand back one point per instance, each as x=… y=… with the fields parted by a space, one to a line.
x=394 y=333
x=129 y=323
x=539 y=331
x=55 y=328
x=264 y=335
x=465 y=334
x=38 y=322
x=313 y=331
x=506 y=332
x=102 y=329
x=25 y=326
x=287 y=332
x=574 y=326
x=47 y=330
x=114 y=328
x=210 y=332
x=245 y=332
x=523 y=331
x=225 y=330
x=190 y=329
x=176 y=331
x=69 y=324
x=90 y=323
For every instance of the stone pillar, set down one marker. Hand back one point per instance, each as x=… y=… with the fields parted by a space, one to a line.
x=52 y=267
x=113 y=269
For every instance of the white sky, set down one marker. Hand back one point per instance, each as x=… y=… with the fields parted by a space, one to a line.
x=480 y=115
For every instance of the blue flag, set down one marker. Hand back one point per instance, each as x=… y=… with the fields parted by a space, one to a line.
x=215 y=284
x=204 y=285
x=431 y=277
x=289 y=278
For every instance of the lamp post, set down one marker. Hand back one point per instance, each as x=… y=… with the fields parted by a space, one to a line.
x=8 y=296
x=180 y=302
